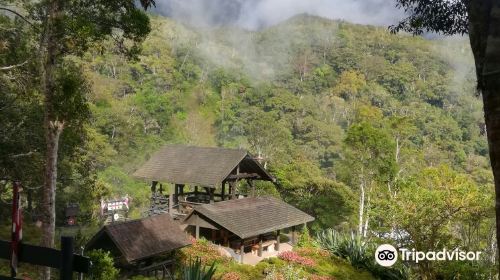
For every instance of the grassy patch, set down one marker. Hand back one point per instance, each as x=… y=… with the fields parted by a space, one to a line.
x=325 y=265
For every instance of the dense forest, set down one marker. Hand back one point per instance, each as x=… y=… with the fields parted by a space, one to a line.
x=369 y=132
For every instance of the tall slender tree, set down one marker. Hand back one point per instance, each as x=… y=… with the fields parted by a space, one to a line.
x=65 y=28
x=480 y=19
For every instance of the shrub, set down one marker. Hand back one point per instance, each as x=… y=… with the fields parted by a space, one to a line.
x=359 y=254
x=293 y=257
x=319 y=277
x=312 y=252
x=102 y=266
x=231 y=276
x=288 y=272
x=305 y=239
x=349 y=247
x=204 y=250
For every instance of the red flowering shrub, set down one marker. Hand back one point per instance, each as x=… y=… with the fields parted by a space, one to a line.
x=203 y=249
x=319 y=277
x=231 y=276
x=312 y=252
x=293 y=257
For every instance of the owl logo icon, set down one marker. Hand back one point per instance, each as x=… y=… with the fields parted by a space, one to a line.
x=386 y=255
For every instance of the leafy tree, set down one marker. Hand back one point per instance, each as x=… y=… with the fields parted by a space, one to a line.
x=350 y=84
x=368 y=162
x=412 y=97
x=66 y=28
x=266 y=136
x=305 y=239
x=481 y=20
x=429 y=206
x=102 y=265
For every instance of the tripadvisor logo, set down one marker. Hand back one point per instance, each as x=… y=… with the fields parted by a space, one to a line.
x=386 y=255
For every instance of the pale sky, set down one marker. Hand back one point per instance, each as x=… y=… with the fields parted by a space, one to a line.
x=255 y=14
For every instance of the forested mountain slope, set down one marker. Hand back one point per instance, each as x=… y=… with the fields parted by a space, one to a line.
x=291 y=93
x=365 y=130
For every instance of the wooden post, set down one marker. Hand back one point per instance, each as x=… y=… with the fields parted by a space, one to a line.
x=242 y=251
x=232 y=189
x=212 y=200
x=250 y=182
x=66 y=272
x=260 y=246
x=171 y=202
x=225 y=236
x=214 y=235
x=181 y=197
x=196 y=190
x=176 y=196
x=80 y=275
x=197 y=233
x=293 y=236
x=223 y=190
x=236 y=182
x=153 y=186
x=278 y=240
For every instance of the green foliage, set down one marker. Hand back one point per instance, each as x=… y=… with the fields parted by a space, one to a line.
x=349 y=247
x=359 y=254
x=437 y=16
x=102 y=266
x=195 y=270
x=372 y=150
x=140 y=277
x=288 y=272
x=429 y=209
x=303 y=94
x=465 y=270
x=82 y=26
x=305 y=239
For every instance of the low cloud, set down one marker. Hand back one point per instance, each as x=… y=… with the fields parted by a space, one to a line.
x=256 y=14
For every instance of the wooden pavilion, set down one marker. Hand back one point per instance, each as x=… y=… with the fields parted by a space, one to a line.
x=213 y=174
x=142 y=247
x=250 y=224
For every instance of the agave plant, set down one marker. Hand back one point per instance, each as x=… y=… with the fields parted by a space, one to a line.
x=359 y=254
x=197 y=271
x=349 y=247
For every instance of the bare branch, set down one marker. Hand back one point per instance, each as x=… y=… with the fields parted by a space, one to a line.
x=23 y=155
x=13 y=66
x=17 y=14
x=492 y=73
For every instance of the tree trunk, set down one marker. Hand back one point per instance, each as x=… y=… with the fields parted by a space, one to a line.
x=484 y=33
x=361 y=208
x=365 y=229
x=367 y=216
x=53 y=131
x=53 y=127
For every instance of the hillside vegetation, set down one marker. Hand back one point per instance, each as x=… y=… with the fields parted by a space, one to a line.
x=355 y=122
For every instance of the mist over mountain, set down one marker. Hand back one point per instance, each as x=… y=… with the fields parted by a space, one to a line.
x=256 y=14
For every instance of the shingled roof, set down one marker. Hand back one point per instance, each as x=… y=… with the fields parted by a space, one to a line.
x=139 y=239
x=198 y=165
x=248 y=217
